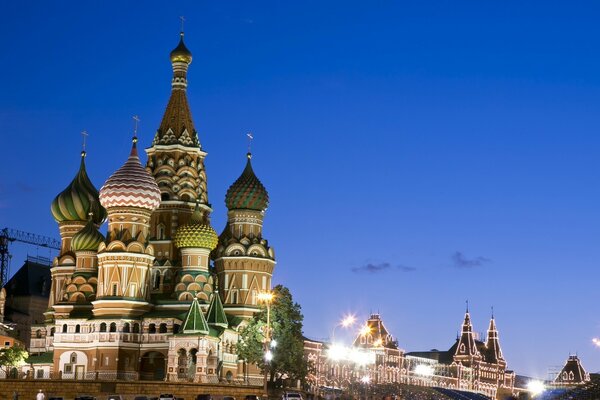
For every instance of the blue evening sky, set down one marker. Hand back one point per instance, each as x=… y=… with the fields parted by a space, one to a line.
x=417 y=154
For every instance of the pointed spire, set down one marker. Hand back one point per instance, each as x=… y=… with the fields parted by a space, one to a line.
x=492 y=345
x=466 y=346
x=216 y=314
x=194 y=320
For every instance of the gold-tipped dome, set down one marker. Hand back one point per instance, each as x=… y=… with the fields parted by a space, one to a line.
x=78 y=199
x=131 y=186
x=197 y=233
x=181 y=53
x=88 y=238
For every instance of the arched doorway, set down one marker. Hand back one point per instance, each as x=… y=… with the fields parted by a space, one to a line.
x=192 y=360
x=152 y=367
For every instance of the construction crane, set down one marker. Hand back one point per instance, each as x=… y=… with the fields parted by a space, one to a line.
x=8 y=235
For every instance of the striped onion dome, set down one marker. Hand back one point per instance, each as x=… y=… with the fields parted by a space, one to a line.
x=87 y=239
x=78 y=199
x=247 y=192
x=197 y=233
x=131 y=186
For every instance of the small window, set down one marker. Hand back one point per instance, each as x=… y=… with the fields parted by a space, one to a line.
x=68 y=368
x=126 y=327
x=38 y=333
x=64 y=328
x=77 y=328
x=136 y=328
x=6 y=344
x=39 y=373
x=103 y=327
x=162 y=328
x=113 y=327
x=152 y=328
x=52 y=332
x=73 y=358
x=115 y=289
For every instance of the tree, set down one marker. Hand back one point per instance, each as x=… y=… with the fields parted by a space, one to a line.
x=286 y=329
x=11 y=357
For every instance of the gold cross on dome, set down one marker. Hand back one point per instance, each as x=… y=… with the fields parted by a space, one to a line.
x=182 y=21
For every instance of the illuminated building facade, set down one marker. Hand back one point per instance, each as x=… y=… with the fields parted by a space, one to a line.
x=469 y=364
x=160 y=295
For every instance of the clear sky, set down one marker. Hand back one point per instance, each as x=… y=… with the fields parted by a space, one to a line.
x=417 y=154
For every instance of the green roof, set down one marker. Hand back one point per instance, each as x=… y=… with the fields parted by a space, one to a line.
x=216 y=315
x=234 y=321
x=194 y=320
x=44 y=358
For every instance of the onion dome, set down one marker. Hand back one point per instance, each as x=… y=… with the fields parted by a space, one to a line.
x=131 y=186
x=87 y=239
x=78 y=199
x=197 y=233
x=181 y=53
x=247 y=192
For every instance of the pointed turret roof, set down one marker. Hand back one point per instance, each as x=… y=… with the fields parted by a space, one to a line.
x=466 y=343
x=216 y=314
x=493 y=350
x=194 y=320
x=177 y=126
x=378 y=334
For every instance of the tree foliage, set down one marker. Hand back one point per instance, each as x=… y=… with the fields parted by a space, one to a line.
x=286 y=329
x=14 y=356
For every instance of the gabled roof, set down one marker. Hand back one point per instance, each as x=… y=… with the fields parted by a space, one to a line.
x=466 y=346
x=216 y=314
x=378 y=334
x=572 y=372
x=194 y=320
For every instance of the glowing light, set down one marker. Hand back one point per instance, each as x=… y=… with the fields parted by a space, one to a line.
x=365 y=330
x=596 y=341
x=348 y=321
x=365 y=379
x=536 y=387
x=268 y=355
x=267 y=297
x=424 y=370
x=273 y=343
x=337 y=352
x=378 y=343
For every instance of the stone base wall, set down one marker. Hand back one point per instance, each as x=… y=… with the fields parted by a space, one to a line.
x=28 y=389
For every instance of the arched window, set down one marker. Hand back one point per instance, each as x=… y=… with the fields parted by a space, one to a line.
x=164 y=196
x=113 y=327
x=126 y=327
x=136 y=328
x=162 y=328
x=77 y=328
x=151 y=328
x=38 y=333
x=64 y=328
x=175 y=328
x=160 y=232
x=73 y=358
x=52 y=330
x=103 y=327
x=156 y=280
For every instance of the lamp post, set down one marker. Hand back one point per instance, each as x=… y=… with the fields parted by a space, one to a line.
x=267 y=298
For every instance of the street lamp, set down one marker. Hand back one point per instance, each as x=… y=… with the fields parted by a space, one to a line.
x=267 y=298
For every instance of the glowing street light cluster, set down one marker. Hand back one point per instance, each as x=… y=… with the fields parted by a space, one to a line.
x=424 y=370
x=338 y=352
x=536 y=387
x=596 y=341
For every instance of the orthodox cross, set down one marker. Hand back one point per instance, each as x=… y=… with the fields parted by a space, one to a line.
x=250 y=137
x=182 y=21
x=135 y=127
x=84 y=136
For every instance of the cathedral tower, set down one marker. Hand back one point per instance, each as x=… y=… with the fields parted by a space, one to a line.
x=176 y=161
x=77 y=205
x=130 y=195
x=494 y=352
x=244 y=262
